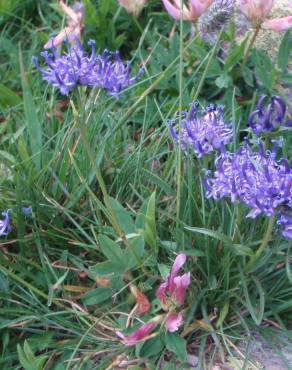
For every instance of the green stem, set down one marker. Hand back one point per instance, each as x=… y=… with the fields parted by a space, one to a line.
x=179 y=158
x=236 y=232
x=80 y=122
x=92 y=158
x=210 y=59
x=263 y=245
x=250 y=45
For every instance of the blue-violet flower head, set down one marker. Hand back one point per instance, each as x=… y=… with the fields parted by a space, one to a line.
x=257 y=179
x=5 y=227
x=285 y=220
x=202 y=131
x=105 y=71
x=268 y=117
x=66 y=71
x=111 y=74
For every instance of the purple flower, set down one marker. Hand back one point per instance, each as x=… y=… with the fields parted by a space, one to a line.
x=268 y=117
x=138 y=335
x=66 y=71
x=202 y=131
x=175 y=286
x=257 y=179
x=111 y=74
x=5 y=227
x=285 y=220
x=26 y=211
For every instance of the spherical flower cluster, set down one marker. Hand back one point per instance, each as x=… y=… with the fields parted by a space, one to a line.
x=268 y=117
x=202 y=131
x=257 y=179
x=66 y=71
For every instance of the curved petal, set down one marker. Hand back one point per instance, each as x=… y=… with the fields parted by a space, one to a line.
x=199 y=7
x=181 y=283
x=171 y=9
x=279 y=24
x=138 y=335
x=161 y=291
x=256 y=10
x=177 y=265
x=174 y=321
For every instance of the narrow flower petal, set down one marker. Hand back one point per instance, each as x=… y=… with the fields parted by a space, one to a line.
x=268 y=116
x=256 y=10
x=161 y=292
x=256 y=178
x=106 y=71
x=5 y=227
x=181 y=283
x=285 y=220
x=138 y=335
x=279 y=24
x=133 y=6
x=174 y=321
x=202 y=130
x=172 y=10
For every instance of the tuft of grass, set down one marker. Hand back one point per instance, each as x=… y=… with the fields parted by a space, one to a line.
x=66 y=269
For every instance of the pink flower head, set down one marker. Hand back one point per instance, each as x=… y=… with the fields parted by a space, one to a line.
x=174 y=321
x=138 y=335
x=279 y=24
x=175 y=286
x=133 y=6
x=256 y=10
x=190 y=12
x=74 y=28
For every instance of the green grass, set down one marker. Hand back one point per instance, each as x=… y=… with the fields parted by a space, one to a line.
x=51 y=300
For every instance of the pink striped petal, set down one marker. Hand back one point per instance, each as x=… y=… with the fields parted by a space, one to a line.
x=138 y=335
x=279 y=24
x=177 y=265
x=174 y=321
x=181 y=285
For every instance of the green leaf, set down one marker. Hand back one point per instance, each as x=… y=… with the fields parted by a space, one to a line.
x=286 y=78
x=8 y=98
x=235 y=55
x=151 y=347
x=248 y=76
x=124 y=219
x=107 y=268
x=223 y=81
x=159 y=182
x=177 y=345
x=238 y=249
x=255 y=306
x=97 y=296
x=150 y=223
x=223 y=313
x=33 y=125
x=195 y=253
x=134 y=253
x=110 y=249
x=28 y=360
x=265 y=69
x=285 y=50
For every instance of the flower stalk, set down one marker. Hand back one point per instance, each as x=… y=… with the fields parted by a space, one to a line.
x=263 y=245
x=80 y=124
x=249 y=47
